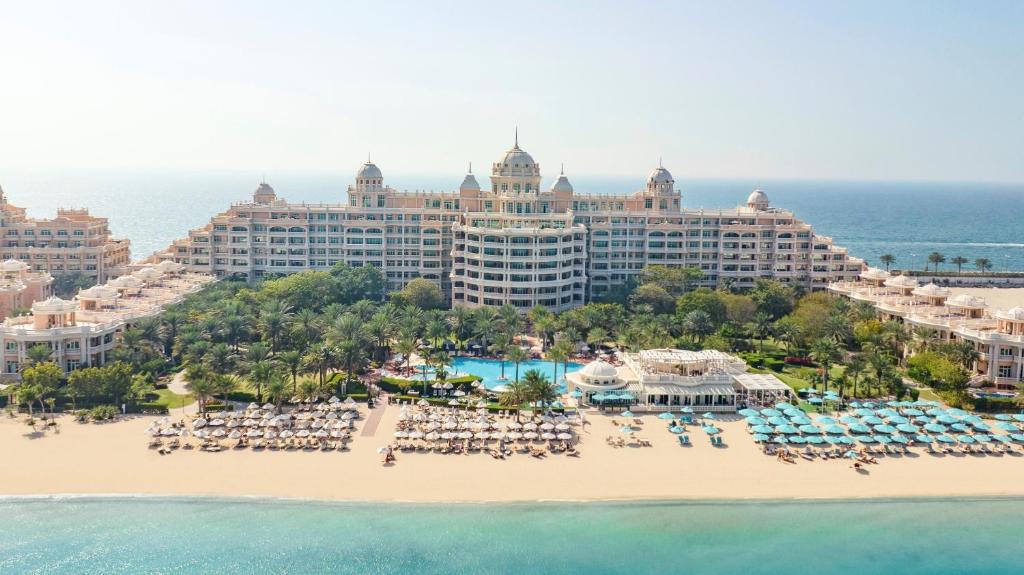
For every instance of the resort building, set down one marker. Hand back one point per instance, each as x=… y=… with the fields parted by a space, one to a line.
x=73 y=242
x=512 y=241
x=20 y=287
x=671 y=379
x=998 y=335
x=81 y=332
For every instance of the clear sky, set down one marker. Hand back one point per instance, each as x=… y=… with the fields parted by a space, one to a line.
x=853 y=90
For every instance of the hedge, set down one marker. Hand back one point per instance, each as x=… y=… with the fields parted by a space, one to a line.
x=996 y=404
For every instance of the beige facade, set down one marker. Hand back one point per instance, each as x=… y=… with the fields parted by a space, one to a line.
x=81 y=332
x=997 y=335
x=74 y=241
x=514 y=242
x=20 y=287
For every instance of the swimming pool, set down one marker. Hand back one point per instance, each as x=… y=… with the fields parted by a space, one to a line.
x=490 y=370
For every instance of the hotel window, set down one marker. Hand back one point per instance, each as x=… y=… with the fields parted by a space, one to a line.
x=648 y=203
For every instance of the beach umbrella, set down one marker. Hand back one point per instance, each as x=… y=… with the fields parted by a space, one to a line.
x=565 y=436
x=1018 y=417
x=548 y=436
x=947 y=419
x=708 y=415
x=907 y=428
x=982 y=438
x=712 y=430
x=922 y=419
x=872 y=420
x=898 y=419
x=885 y=429
x=677 y=429
x=883 y=439
x=836 y=429
x=797 y=439
x=530 y=435
x=845 y=440
x=780 y=439
x=815 y=440
x=254 y=433
x=782 y=406
x=924 y=438
x=1017 y=437
x=808 y=390
x=625 y=429
x=855 y=404
x=800 y=421
x=235 y=434
x=832 y=439
x=849 y=419
x=1001 y=438
x=859 y=428
x=870 y=404
x=863 y=412
x=815 y=400
x=809 y=429
x=778 y=420
x=747 y=412
x=1006 y=426
x=576 y=394
x=935 y=412
x=547 y=426
x=793 y=412
x=760 y=437
x=865 y=438
x=900 y=439
x=912 y=411
x=666 y=415
x=851 y=454
x=935 y=428
x=886 y=412
x=752 y=420
x=769 y=412
x=787 y=429
x=562 y=426
x=198 y=423
x=515 y=435
x=826 y=420
x=963 y=438
x=762 y=429
x=960 y=427
x=686 y=410
x=944 y=439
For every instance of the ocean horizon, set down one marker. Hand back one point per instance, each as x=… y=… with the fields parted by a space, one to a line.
x=154 y=534
x=907 y=219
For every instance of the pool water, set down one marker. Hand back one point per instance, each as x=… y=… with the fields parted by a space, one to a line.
x=490 y=370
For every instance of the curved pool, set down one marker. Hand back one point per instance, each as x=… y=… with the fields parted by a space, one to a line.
x=490 y=370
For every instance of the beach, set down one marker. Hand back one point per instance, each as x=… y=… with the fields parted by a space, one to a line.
x=113 y=458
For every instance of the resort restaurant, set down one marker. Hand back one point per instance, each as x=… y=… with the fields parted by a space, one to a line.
x=667 y=380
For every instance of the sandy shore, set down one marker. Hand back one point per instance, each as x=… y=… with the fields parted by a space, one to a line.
x=113 y=458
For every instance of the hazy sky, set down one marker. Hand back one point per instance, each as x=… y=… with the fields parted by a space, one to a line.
x=892 y=90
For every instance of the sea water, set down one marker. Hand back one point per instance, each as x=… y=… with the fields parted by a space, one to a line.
x=907 y=220
x=172 y=535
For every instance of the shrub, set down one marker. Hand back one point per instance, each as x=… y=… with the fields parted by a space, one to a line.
x=775 y=365
x=798 y=360
x=103 y=413
x=153 y=408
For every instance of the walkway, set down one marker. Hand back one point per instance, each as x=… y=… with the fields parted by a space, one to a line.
x=177 y=385
x=373 y=419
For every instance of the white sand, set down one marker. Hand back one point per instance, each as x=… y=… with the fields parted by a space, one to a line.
x=113 y=458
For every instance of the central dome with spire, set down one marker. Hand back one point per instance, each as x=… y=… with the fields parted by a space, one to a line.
x=516 y=157
x=517 y=164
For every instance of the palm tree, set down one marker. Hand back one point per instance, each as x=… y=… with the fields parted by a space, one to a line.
x=539 y=387
x=935 y=258
x=235 y=327
x=983 y=264
x=435 y=331
x=826 y=352
x=38 y=353
x=895 y=335
x=308 y=390
x=292 y=361
x=382 y=327
x=959 y=262
x=172 y=322
x=29 y=394
x=459 y=319
x=352 y=340
x=762 y=328
x=219 y=358
x=544 y=325
x=855 y=369
x=887 y=260
x=499 y=348
x=320 y=359
x=260 y=374
x=274 y=319
x=517 y=355
x=515 y=395
x=306 y=327
x=276 y=390
x=198 y=382
x=788 y=333
x=596 y=338
x=924 y=338
x=511 y=321
x=880 y=362
x=557 y=354
x=225 y=385
x=484 y=324
x=837 y=328
x=407 y=346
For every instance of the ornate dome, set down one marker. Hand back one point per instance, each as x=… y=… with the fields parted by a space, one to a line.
x=874 y=274
x=562 y=184
x=757 y=198
x=660 y=176
x=1013 y=314
x=517 y=158
x=966 y=300
x=931 y=290
x=598 y=370
x=54 y=305
x=368 y=171
x=13 y=266
x=901 y=282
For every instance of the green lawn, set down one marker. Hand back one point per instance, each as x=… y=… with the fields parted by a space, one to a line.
x=171 y=400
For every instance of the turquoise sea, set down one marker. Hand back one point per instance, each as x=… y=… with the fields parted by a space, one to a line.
x=157 y=535
x=909 y=220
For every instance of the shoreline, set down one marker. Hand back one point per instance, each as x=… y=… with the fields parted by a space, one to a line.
x=111 y=460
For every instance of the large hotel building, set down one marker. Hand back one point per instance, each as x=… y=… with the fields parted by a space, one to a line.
x=513 y=242
x=73 y=242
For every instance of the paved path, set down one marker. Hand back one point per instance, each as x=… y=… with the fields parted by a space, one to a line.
x=373 y=419
x=177 y=385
